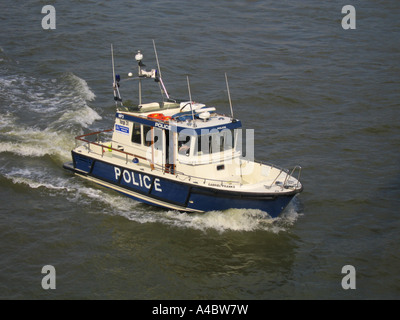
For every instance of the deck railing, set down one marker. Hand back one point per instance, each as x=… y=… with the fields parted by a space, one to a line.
x=105 y=147
x=286 y=184
x=178 y=174
x=153 y=166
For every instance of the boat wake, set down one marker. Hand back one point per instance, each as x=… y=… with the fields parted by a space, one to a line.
x=41 y=118
x=244 y=220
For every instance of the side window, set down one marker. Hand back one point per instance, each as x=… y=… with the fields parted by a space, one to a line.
x=136 y=135
x=227 y=140
x=204 y=144
x=146 y=135
x=184 y=145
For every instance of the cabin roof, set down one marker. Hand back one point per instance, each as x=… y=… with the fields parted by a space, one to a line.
x=216 y=122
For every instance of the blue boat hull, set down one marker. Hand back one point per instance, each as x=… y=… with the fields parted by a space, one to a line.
x=171 y=194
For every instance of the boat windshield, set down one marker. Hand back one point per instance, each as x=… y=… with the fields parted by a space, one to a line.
x=215 y=142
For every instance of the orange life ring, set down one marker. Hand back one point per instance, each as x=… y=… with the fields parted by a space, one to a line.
x=159 y=116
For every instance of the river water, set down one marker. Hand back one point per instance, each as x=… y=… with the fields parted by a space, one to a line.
x=316 y=95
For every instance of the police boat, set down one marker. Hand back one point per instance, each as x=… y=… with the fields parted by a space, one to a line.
x=180 y=155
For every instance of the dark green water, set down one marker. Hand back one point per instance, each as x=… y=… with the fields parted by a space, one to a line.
x=317 y=95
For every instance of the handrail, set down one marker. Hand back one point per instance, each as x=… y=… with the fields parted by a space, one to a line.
x=155 y=165
x=80 y=138
x=180 y=173
x=291 y=175
x=92 y=133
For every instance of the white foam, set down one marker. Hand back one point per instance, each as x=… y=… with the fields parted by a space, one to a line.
x=37 y=179
x=34 y=178
x=6 y=120
x=242 y=220
x=85 y=116
x=45 y=96
x=5 y=82
x=56 y=139
x=36 y=184
x=81 y=87
x=22 y=150
x=75 y=187
x=37 y=143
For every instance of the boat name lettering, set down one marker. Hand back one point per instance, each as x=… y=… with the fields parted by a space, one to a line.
x=120 y=115
x=137 y=179
x=221 y=185
x=162 y=126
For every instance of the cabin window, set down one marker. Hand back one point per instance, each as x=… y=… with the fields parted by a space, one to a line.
x=204 y=144
x=184 y=145
x=136 y=134
x=147 y=135
x=227 y=140
x=216 y=142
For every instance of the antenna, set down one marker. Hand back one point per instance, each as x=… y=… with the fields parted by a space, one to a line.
x=139 y=58
x=229 y=95
x=159 y=70
x=158 y=63
x=115 y=84
x=112 y=62
x=113 y=71
x=190 y=97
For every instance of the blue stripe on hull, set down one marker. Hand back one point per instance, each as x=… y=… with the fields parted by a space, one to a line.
x=166 y=193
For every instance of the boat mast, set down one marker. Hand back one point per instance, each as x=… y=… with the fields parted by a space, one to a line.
x=159 y=71
x=191 y=103
x=139 y=58
x=229 y=95
x=113 y=71
x=117 y=96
